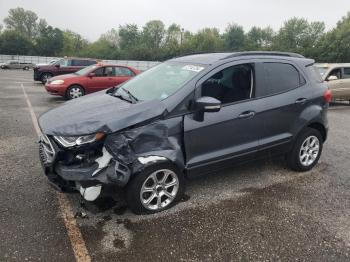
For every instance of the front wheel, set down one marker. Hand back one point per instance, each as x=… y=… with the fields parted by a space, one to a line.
x=44 y=77
x=74 y=91
x=155 y=189
x=26 y=68
x=306 y=151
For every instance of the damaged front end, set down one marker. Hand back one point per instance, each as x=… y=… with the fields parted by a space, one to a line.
x=109 y=159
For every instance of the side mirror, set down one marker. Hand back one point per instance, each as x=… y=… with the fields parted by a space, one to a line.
x=91 y=74
x=206 y=104
x=332 y=78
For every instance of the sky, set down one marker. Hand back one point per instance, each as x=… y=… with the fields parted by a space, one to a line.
x=92 y=18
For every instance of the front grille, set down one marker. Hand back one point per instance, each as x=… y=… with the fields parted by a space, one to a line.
x=46 y=150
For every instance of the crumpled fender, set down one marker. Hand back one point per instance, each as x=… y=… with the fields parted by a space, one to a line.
x=139 y=147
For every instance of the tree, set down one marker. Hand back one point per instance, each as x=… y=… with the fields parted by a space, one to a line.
x=22 y=21
x=234 y=37
x=153 y=34
x=298 y=35
x=335 y=45
x=49 y=41
x=129 y=36
x=73 y=43
x=12 y=42
x=208 y=40
x=259 y=38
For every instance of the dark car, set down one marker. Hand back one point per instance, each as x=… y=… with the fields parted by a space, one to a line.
x=89 y=80
x=185 y=117
x=60 y=67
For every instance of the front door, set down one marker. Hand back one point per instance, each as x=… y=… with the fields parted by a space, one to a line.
x=232 y=134
x=103 y=78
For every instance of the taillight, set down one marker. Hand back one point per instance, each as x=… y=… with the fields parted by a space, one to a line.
x=327 y=96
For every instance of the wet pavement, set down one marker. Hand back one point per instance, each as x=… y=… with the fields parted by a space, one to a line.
x=260 y=211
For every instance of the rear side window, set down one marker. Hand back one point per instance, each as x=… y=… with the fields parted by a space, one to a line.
x=123 y=71
x=81 y=62
x=279 y=78
x=346 y=72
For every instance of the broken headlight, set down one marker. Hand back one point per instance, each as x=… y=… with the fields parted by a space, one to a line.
x=69 y=141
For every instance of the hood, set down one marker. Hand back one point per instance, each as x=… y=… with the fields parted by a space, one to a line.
x=98 y=112
x=62 y=77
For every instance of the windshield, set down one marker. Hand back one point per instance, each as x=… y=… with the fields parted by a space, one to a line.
x=85 y=70
x=160 y=81
x=322 y=70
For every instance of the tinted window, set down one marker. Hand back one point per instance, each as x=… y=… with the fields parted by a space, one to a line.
x=123 y=71
x=90 y=62
x=230 y=85
x=76 y=62
x=109 y=71
x=99 y=71
x=346 y=72
x=280 y=77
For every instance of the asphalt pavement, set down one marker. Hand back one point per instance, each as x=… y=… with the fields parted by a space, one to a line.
x=261 y=211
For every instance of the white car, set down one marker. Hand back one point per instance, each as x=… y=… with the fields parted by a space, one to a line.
x=337 y=77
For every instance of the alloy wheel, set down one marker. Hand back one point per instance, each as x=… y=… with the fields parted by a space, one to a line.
x=309 y=150
x=159 y=189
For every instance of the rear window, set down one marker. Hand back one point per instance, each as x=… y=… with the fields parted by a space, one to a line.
x=280 y=77
x=314 y=73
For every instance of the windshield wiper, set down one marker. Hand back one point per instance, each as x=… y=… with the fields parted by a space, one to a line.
x=131 y=96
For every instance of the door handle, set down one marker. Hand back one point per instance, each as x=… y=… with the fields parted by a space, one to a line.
x=247 y=114
x=300 y=100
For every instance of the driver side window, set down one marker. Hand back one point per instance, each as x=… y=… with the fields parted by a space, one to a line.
x=232 y=84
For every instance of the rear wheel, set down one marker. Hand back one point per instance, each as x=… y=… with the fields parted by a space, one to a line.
x=306 y=151
x=44 y=77
x=74 y=91
x=155 y=189
x=26 y=68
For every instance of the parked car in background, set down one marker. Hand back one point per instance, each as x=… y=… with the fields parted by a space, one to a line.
x=337 y=77
x=186 y=117
x=61 y=67
x=88 y=80
x=15 y=64
x=49 y=63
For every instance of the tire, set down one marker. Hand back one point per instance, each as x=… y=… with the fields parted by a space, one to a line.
x=75 y=91
x=26 y=68
x=136 y=196
x=44 y=77
x=306 y=151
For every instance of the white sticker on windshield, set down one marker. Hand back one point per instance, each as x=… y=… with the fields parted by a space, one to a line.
x=193 y=68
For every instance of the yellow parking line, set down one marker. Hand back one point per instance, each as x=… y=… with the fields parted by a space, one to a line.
x=76 y=238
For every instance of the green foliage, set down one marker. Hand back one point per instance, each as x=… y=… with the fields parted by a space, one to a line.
x=234 y=37
x=49 y=41
x=12 y=42
x=25 y=33
x=22 y=21
x=73 y=43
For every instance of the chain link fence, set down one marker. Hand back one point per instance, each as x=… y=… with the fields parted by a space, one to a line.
x=140 y=65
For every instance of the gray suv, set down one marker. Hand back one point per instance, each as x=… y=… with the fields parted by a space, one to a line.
x=185 y=117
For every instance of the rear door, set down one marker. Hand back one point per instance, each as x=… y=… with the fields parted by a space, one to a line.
x=122 y=74
x=284 y=94
x=344 y=86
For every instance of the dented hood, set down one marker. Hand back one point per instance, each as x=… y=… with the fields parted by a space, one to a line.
x=99 y=112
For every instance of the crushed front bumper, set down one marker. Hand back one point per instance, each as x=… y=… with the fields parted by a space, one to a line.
x=80 y=177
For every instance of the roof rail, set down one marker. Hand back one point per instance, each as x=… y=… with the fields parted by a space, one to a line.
x=199 y=53
x=266 y=53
